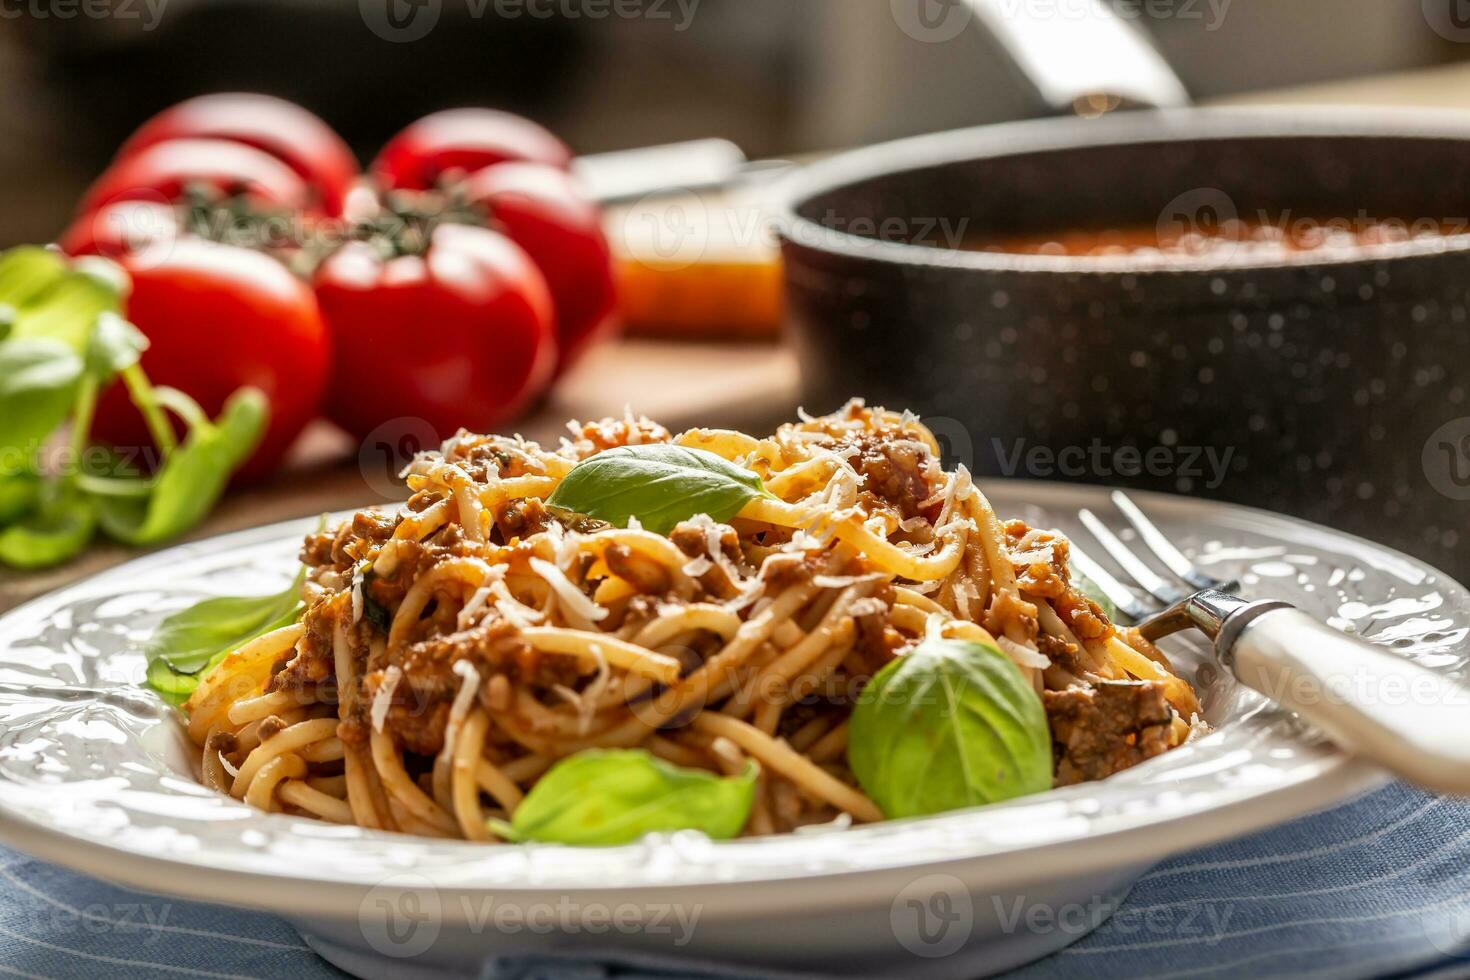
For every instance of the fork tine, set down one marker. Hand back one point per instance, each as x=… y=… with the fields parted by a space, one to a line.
x=1119 y=594
x=1152 y=582
x=1165 y=551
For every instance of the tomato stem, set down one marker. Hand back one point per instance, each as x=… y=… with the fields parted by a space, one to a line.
x=81 y=425
x=183 y=406
x=142 y=394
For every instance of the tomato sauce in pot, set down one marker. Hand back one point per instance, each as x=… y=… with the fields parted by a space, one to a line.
x=1258 y=237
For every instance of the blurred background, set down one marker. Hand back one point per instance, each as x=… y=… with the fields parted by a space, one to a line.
x=779 y=77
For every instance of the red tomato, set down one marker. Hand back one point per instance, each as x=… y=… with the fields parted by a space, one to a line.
x=544 y=211
x=460 y=335
x=121 y=228
x=218 y=318
x=163 y=171
x=280 y=128
x=463 y=140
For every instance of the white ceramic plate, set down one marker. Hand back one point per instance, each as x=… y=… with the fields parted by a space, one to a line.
x=95 y=774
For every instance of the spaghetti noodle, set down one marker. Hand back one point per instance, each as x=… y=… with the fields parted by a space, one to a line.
x=450 y=654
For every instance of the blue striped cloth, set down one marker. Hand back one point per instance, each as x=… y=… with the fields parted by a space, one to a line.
x=1379 y=887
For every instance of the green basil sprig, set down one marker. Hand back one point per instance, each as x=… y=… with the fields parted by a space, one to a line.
x=658 y=484
x=951 y=724
x=44 y=294
x=193 y=476
x=114 y=346
x=53 y=532
x=188 y=644
x=27 y=273
x=603 y=798
x=39 y=380
x=62 y=341
x=20 y=492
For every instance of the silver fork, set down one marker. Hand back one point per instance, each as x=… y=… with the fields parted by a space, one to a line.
x=1404 y=717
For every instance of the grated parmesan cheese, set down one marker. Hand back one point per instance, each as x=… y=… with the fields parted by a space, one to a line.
x=573 y=597
x=421 y=465
x=695 y=567
x=843 y=581
x=586 y=702
x=383 y=699
x=1022 y=655
x=459 y=709
x=751 y=593
x=635 y=434
x=515 y=612
x=357 y=601
x=962 y=602
x=840 y=822
x=466 y=617
x=715 y=552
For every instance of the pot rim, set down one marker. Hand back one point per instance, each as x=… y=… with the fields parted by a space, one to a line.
x=1142 y=128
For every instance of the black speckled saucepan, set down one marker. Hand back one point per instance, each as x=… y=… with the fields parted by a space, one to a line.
x=1329 y=385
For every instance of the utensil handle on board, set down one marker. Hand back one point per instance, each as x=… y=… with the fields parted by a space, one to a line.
x=623 y=176
x=1081 y=56
x=1373 y=703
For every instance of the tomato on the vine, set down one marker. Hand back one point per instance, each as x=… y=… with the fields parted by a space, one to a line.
x=544 y=211
x=165 y=172
x=455 y=329
x=121 y=228
x=282 y=129
x=219 y=318
x=461 y=141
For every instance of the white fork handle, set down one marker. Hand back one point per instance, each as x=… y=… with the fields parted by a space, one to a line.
x=1410 y=720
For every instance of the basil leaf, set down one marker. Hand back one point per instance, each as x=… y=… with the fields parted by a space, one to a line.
x=27 y=272
x=602 y=798
x=658 y=484
x=53 y=533
x=374 y=611
x=1090 y=589
x=186 y=645
x=39 y=379
x=115 y=344
x=19 y=493
x=192 y=478
x=67 y=311
x=580 y=523
x=950 y=724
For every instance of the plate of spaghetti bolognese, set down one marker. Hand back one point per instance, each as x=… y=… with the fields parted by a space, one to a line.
x=782 y=680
